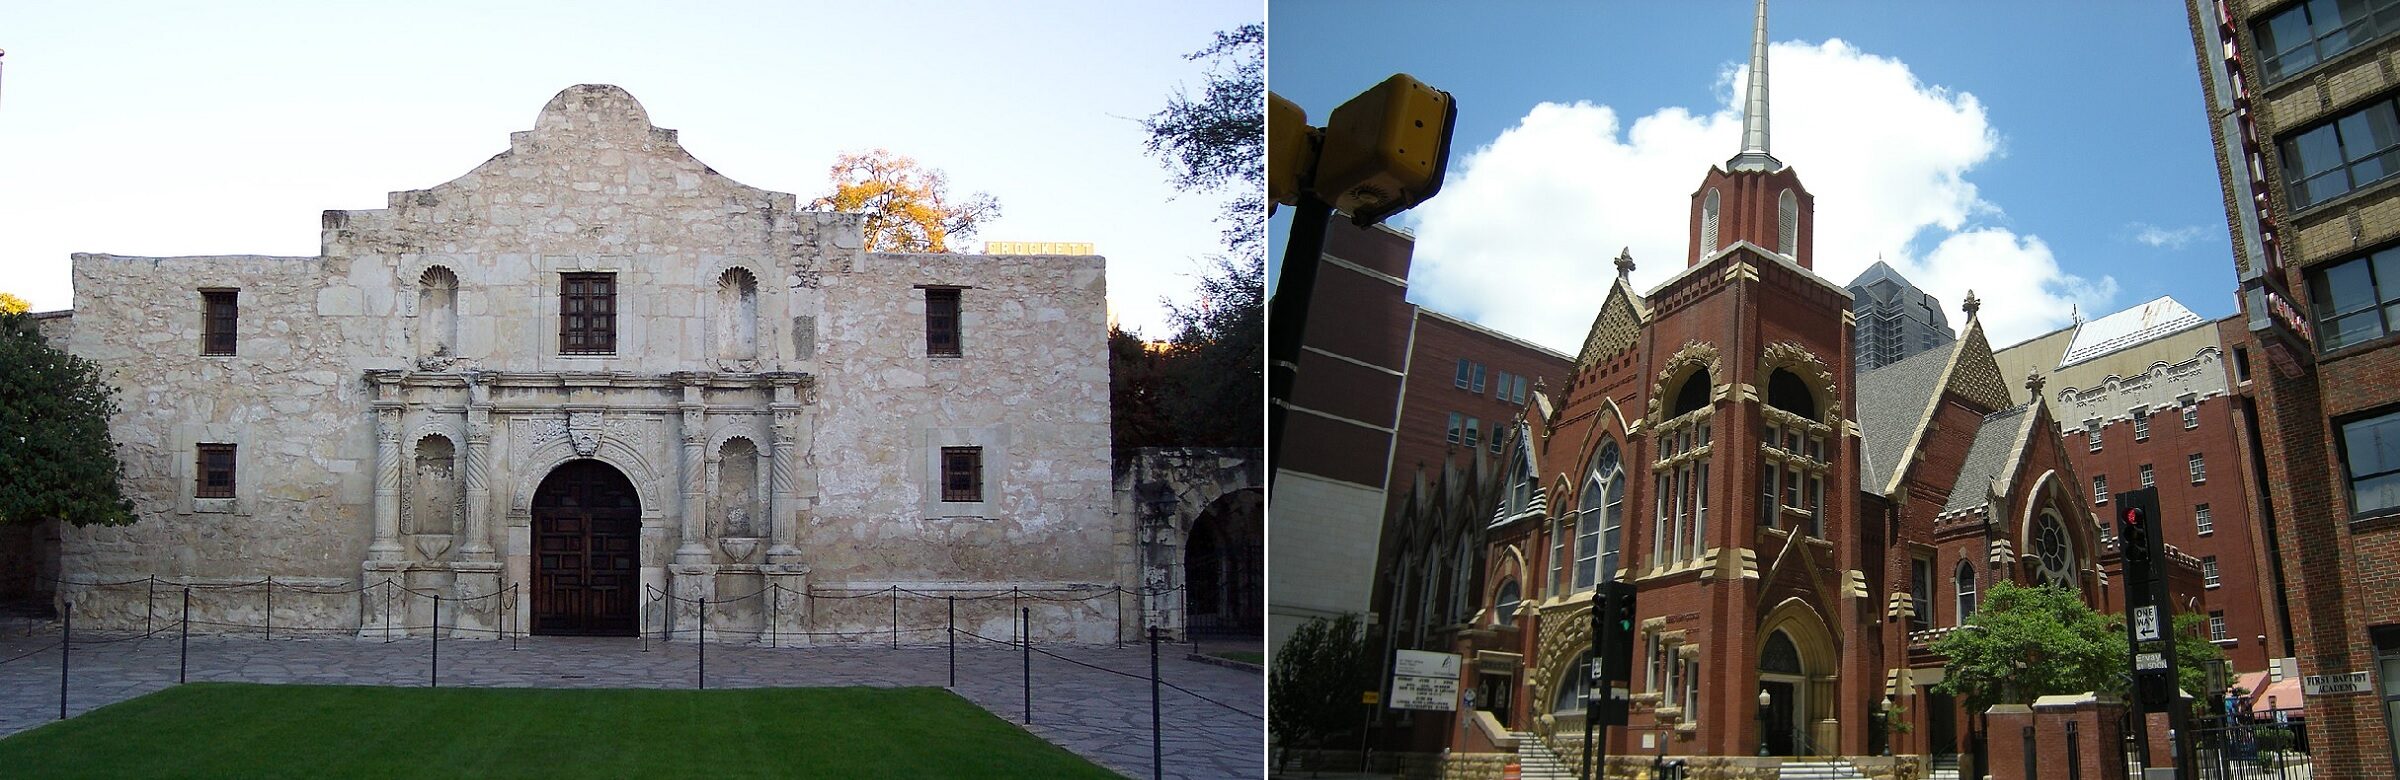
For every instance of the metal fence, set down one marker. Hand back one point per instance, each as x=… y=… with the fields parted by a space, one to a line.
x=178 y=626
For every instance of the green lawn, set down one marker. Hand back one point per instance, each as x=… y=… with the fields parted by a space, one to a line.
x=247 y=731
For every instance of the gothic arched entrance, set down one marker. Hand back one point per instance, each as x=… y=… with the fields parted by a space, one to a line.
x=587 y=541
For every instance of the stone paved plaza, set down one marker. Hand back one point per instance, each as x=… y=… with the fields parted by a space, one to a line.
x=1100 y=716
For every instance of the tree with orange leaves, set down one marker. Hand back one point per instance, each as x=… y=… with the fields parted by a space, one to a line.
x=907 y=206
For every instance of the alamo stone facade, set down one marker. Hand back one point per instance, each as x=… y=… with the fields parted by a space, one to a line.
x=590 y=372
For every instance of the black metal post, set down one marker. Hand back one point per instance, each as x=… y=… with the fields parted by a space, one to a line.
x=1025 y=648
x=645 y=625
x=953 y=641
x=65 y=642
x=2033 y=763
x=514 y=636
x=1287 y=313
x=1158 y=760
x=183 y=661
x=387 y=610
x=700 y=637
x=895 y=617
x=270 y=608
x=1016 y=600
x=1120 y=594
x=2074 y=753
x=150 y=605
x=434 y=674
x=774 y=609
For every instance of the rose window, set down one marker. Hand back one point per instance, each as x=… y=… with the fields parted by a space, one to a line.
x=2054 y=563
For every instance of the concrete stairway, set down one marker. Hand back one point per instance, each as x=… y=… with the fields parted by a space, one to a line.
x=1538 y=762
x=1820 y=769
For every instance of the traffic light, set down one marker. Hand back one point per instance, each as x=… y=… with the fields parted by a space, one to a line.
x=1612 y=650
x=1291 y=150
x=2138 y=538
x=1386 y=149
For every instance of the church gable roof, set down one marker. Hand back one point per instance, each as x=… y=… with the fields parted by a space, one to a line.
x=1897 y=401
x=1998 y=445
x=1891 y=402
x=1614 y=329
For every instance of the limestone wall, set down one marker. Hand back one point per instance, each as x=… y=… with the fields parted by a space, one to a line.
x=396 y=401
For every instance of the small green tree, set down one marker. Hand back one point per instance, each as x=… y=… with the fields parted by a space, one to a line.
x=2030 y=642
x=1313 y=692
x=2193 y=654
x=56 y=459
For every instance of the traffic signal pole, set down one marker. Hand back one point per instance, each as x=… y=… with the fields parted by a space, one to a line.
x=1287 y=313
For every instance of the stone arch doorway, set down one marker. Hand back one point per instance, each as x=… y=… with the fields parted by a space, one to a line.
x=1221 y=563
x=1796 y=669
x=587 y=541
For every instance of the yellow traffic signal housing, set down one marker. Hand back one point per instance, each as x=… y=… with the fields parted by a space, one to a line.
x=1291 y=149
x=1386 y=150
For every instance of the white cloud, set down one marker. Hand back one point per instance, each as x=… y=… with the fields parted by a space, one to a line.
x=2165 y=238
x=1522 y=237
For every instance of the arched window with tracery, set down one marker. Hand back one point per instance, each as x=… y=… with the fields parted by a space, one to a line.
x=2054 y=560
x=1600 y=519
x=1793 y=457
x=1679 y=516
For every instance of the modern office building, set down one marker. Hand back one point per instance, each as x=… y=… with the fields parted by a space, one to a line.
x=2304 y=103
x=1895 y=319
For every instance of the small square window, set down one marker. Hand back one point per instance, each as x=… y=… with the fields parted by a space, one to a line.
x=2141 y=425
x=2217 y=631
x=2201 y=522
x=2100 y=490
x=2147 y=479
x=587 y=314
x=220 y=310
x=962 y=474
x=941 y=322
x=215 y=471
x=2199 y=469
x=2191 y=417
x=2091 y=429
x=2208 y=571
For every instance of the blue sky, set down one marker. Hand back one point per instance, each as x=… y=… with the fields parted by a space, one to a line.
x=181 y=129
x=2053 y=156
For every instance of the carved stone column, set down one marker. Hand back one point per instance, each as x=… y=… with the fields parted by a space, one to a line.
x=386 y=546
x=783 y=501
x=695 y=475
x=478 y=546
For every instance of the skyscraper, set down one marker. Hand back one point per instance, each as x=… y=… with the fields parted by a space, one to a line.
x=1895 y=319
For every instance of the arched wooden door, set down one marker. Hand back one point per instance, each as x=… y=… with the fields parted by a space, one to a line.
x=587 y=537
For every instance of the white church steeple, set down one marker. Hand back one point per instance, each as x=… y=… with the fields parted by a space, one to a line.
x=1754 y=156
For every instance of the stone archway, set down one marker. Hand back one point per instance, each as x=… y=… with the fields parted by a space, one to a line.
x=587 y=546
x=1224 y=593
x=1797 y=658
x=1162 y=495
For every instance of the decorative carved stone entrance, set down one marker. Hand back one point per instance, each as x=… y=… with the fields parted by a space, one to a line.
x=587 y=548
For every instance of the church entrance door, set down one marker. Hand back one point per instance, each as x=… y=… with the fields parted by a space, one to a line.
x=587 y=524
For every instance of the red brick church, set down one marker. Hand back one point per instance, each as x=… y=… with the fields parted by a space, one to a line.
x=1798 y=532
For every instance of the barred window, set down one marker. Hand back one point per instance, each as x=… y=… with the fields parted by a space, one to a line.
x=215 y=471
x=962 y=474
x=941 y=322
x=220 y=309
x=587 y=314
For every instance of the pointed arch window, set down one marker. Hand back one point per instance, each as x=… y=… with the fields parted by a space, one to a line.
x=2054 y=560
x=1792 y=448
x=1787 y=224
x=1679 y=518
x=1504 y=604
x=1965 y=582
x=1525 y=482
x=1600 y=519
x=1708 y=222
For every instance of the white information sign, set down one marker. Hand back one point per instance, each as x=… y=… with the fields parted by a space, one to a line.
x=1421 y=663
x=2332 y=684
x=2145 y=624
x=2147 y=661
x=1424 y=680
x=1424 y=693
